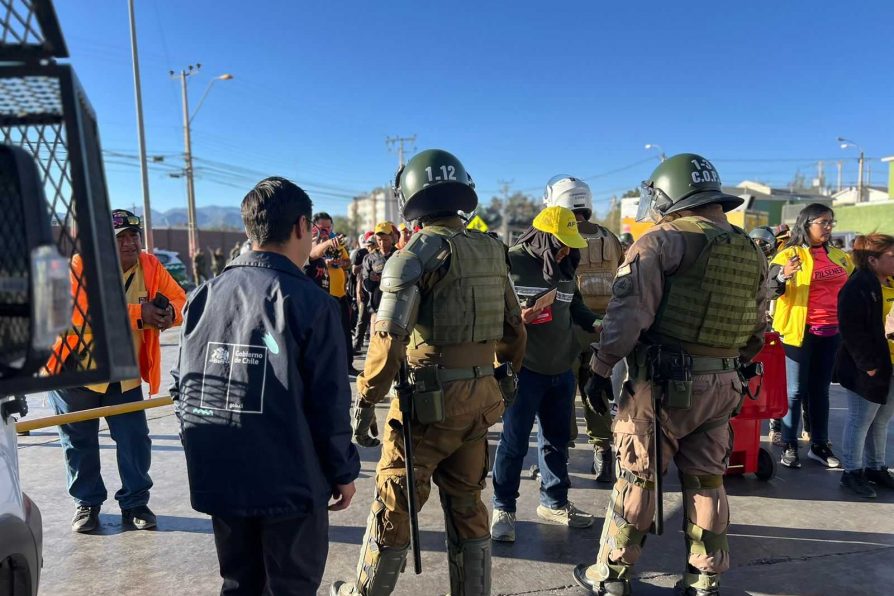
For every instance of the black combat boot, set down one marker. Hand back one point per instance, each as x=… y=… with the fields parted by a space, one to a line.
x=602 y=465
x=880 y=477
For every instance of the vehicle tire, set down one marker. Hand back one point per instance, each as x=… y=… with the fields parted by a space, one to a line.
x=766 y=465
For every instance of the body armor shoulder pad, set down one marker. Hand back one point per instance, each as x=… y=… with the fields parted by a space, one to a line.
x=431 y=249
x=401 y=271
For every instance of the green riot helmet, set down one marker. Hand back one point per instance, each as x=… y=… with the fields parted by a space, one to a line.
x=434 y=181
x=626 y=238
x=765 y=240
x=680 y=182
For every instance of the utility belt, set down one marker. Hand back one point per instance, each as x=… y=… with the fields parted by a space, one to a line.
x=671 y=368
x=428 y=388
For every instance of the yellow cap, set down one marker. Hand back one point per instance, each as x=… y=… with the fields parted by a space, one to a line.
x=561 y=223
x=384 y=227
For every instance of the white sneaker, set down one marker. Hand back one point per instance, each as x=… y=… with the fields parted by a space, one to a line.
x=502 y=526
x=569 y=515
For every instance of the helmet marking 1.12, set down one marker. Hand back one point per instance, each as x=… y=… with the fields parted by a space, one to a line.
x=434 y=181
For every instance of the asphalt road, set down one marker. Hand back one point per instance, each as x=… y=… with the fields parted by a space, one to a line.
x=799 y=533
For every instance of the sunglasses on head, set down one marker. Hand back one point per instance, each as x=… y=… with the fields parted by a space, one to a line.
x=121 y=220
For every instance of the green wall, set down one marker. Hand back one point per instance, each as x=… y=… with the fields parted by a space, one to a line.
x=773 y=209
x=866 y=218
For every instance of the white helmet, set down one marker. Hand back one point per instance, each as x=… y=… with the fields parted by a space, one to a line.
x=569 y=192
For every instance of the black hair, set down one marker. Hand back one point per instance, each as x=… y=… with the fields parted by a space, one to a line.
x=272 y=208
x=800 y=235
x=320 y=216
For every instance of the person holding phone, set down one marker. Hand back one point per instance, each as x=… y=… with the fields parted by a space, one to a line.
x=154 y=301
x=805 y=279
x=337 y=262
x=542 y=266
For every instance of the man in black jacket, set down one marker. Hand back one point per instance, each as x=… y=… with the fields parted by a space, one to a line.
x=263 y=399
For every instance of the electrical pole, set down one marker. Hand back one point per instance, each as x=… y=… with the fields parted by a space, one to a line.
x=860 y=178
x=390 y=142
x=839 y=176
x=148 y=240
x=191 y=232
x=504 y=209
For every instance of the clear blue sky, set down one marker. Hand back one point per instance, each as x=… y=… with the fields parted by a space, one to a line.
x=519 y=91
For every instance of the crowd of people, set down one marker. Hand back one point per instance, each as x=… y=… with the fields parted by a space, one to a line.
x=653 y=334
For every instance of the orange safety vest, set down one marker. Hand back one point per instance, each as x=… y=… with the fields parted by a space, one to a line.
x=157 y=280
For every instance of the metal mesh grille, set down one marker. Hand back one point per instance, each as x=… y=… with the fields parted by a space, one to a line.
x=30 y=98
x=20 y=26
x=14 y=303
x=34 y=102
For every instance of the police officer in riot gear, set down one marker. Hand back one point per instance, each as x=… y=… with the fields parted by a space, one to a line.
x=765 y=239
x=598 y=263
x=447 y=307
x=687 y=309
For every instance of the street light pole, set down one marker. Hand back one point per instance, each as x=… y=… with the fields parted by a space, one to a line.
x=191 y=225
x=148 y=240
x=187 y=156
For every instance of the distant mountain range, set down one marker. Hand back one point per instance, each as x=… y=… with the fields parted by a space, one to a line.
x=211 y=217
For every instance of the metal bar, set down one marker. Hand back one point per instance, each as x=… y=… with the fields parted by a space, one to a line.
x=92 y=413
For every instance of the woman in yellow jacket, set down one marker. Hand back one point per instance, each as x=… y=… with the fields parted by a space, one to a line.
x=805 y=278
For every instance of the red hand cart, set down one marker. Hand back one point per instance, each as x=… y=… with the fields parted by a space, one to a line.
x=748 y=457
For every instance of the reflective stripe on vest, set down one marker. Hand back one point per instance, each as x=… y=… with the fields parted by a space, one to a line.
x=467 y=304
x=712 y=302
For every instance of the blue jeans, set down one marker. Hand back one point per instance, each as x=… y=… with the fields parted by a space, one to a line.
x=549 y=399
x=808 y=371
x=80 y=444
x=866 y=425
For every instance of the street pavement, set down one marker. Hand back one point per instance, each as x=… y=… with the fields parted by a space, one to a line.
x=798 y=533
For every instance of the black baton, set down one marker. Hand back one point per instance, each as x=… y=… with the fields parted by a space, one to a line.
x=405 y=400
x=656 y=447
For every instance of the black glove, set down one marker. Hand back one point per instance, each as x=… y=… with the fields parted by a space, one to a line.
x=599 y=392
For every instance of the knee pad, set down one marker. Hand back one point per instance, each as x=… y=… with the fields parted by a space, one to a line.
x=700 y=541
x=379 y=566
x=704 y=529
x=619 y=536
